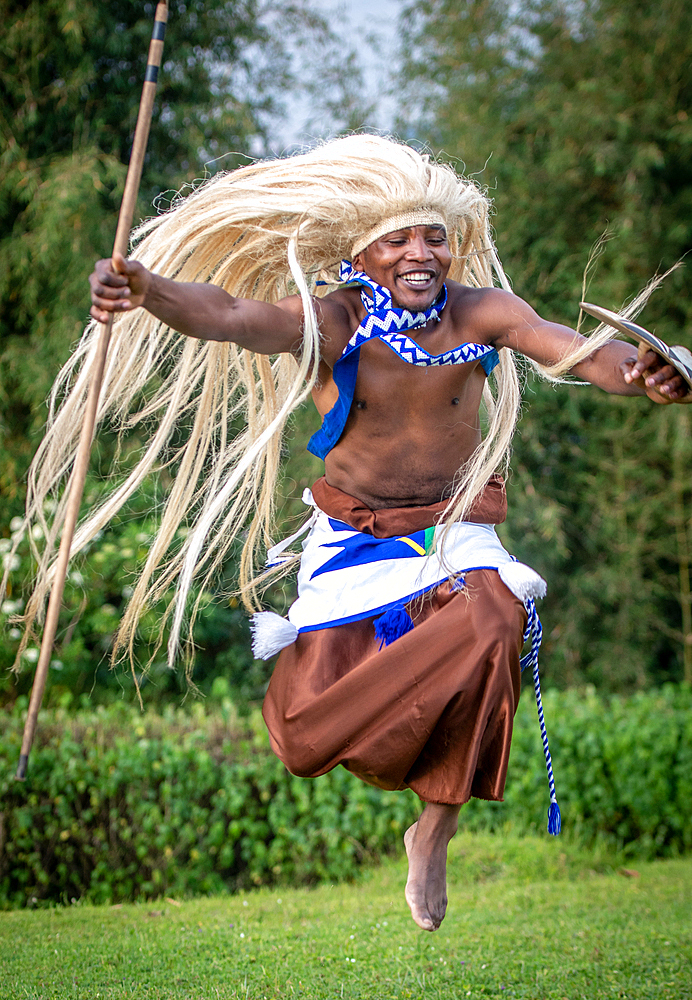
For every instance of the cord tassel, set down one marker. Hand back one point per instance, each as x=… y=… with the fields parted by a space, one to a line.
x=392 y=625
x=534 y=632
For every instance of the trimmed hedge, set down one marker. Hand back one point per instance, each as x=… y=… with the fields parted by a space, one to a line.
x=623 y=770
x=119 y=805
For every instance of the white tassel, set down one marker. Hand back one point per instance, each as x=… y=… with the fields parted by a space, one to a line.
x=523 y=581
x=270 y=634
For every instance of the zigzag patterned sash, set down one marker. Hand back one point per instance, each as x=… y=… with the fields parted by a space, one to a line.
x=384 y=321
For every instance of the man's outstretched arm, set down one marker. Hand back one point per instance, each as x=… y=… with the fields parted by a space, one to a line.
x=196 y=309
x=613 y=367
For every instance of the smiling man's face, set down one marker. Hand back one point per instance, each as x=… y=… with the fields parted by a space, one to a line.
x=412 y=263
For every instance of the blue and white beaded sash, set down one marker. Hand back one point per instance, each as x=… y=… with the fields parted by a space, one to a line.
x=385 y=322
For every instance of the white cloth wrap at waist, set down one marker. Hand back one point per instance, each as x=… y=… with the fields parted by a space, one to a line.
x=363 y=583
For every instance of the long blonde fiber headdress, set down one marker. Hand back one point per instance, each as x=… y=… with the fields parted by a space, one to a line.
x=264 y=231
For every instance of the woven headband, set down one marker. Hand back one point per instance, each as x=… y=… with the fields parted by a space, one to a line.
x=416 y=217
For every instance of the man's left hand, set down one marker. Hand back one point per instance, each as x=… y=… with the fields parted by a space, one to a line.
x=659 y=380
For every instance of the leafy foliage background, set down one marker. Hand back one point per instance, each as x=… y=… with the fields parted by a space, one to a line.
x=119 y=806
x=577 y=119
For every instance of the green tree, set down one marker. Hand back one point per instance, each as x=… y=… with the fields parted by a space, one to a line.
x=576 y=116
x=70 y=79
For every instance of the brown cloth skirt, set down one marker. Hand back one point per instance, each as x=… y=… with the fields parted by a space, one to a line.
x=433 y=711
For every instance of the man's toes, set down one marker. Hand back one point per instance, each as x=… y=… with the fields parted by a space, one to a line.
x=437 y=914
x=420 y=914
x=423 y=919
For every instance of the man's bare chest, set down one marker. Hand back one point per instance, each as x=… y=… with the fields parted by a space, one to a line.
x=388 y=381
x=382 y=373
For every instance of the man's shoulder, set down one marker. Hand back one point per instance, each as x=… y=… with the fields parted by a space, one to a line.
x=476 y=298
x=339 y=313
x=337 y=316
x=480 y=313
x=343 y=298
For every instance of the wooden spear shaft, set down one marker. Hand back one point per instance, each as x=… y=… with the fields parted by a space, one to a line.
x=81 y=464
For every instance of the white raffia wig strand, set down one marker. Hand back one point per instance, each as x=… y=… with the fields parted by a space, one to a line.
x=263 y=231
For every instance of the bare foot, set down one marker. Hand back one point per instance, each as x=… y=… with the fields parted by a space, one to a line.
x=426 y=848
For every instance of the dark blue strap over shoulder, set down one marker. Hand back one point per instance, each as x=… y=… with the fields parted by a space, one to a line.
x=489 y=361
x=345 y=375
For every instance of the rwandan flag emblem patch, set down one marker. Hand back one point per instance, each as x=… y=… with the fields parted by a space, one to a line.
x=359 y=549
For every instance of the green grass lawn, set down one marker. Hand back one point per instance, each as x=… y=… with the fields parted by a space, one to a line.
x=531 y=918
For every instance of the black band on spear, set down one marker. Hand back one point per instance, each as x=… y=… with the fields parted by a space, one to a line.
x=81 y=463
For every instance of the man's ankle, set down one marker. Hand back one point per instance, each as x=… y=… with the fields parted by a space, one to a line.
x=438 y=818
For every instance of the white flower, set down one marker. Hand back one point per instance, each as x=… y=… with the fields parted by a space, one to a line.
x=15 y=633
x=241 y=934
x=5 y=544
x=127 y=592
x=37 y=532
x=10 y=607
x=10 y=561
x=16 y=524
x=56 y=664
x=76 y=577
x=31 y=654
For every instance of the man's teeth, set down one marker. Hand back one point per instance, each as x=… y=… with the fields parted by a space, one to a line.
x=417 y=278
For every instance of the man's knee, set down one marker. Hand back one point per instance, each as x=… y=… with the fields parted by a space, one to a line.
x=300 y=759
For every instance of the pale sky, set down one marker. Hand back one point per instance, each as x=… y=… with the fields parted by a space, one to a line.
x=376 y=19
x=370 y=27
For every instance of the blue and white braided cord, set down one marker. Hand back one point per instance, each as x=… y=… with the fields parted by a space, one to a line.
x=534 y=632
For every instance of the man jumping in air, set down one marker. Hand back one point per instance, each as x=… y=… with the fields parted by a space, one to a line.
x=401 y=657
